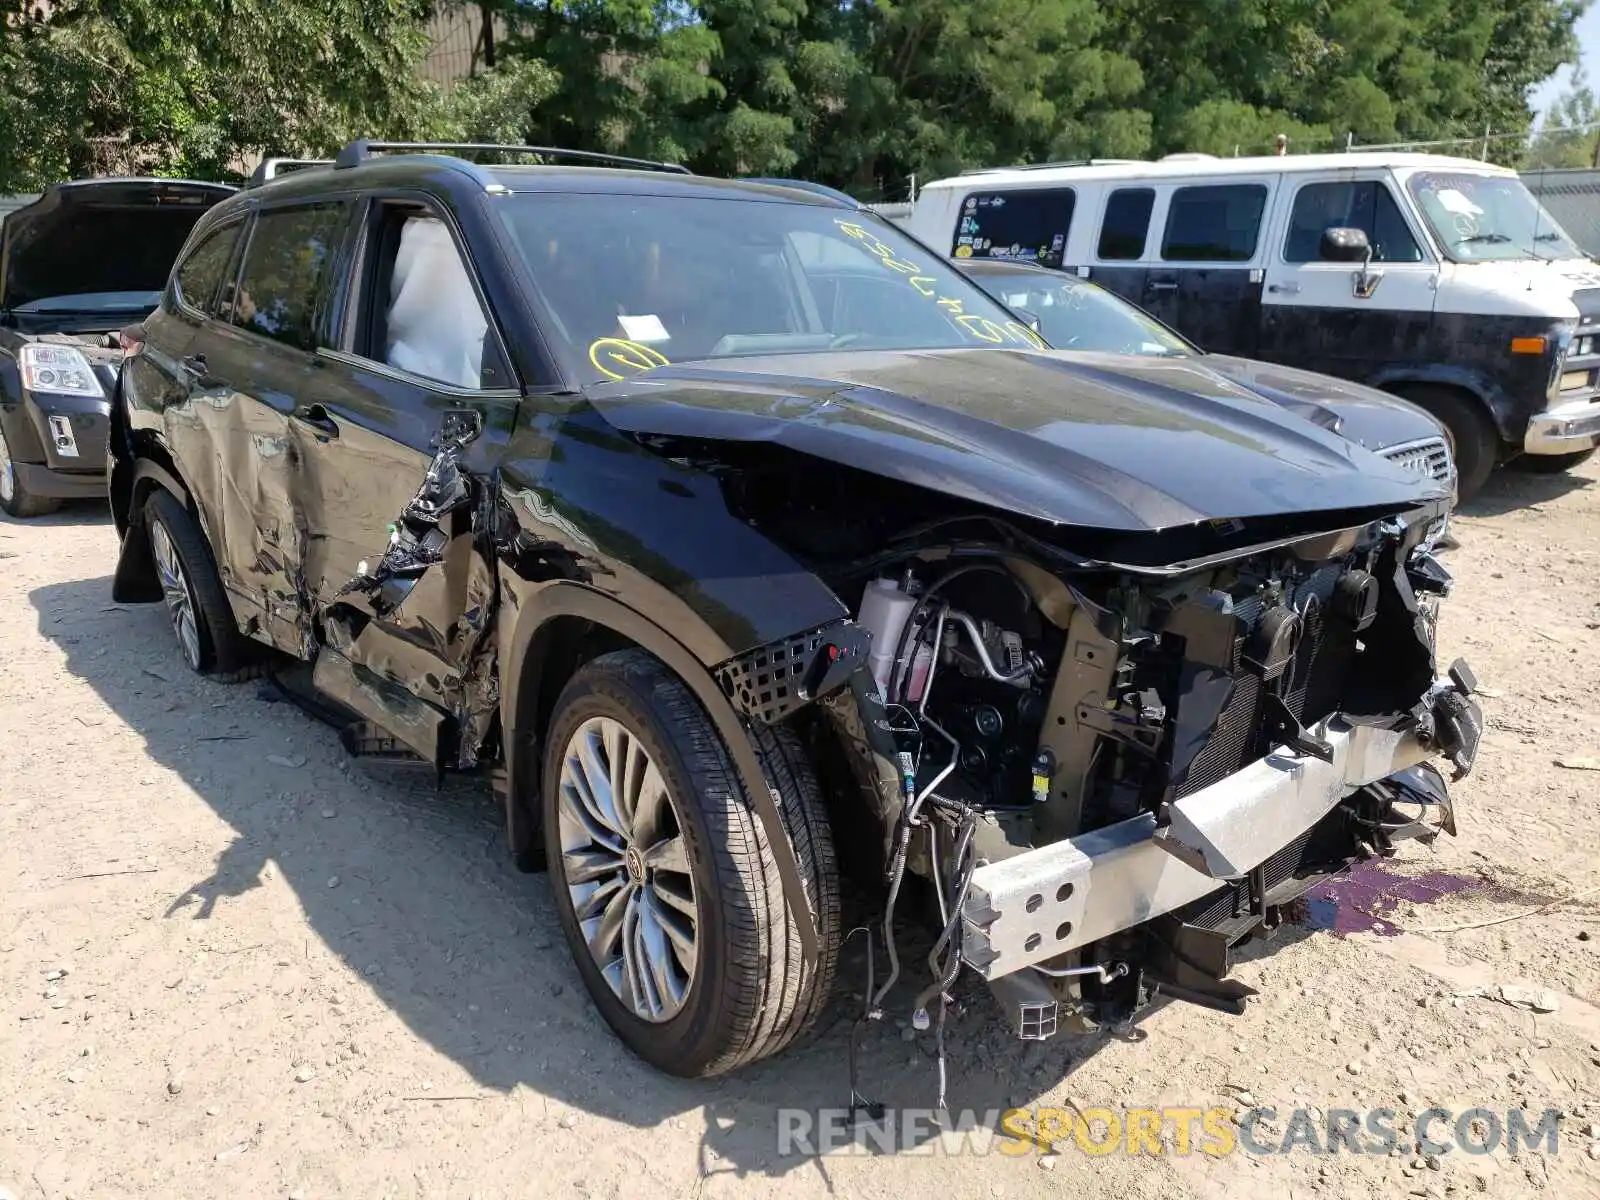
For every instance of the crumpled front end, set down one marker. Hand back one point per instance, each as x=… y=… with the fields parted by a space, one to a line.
x=1113 y=775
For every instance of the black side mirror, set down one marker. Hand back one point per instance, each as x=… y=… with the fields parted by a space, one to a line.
x=1342 y=244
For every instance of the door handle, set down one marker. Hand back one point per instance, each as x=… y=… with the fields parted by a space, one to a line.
x=1284 y=289
x=317 y=418
x=195 y=364
x=1162 y=285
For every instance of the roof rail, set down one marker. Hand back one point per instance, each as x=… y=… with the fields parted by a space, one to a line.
x=1066 y=162
x=360 y=150
x=270 y=168
x=805 y=185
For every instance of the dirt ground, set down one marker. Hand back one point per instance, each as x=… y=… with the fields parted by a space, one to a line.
x=286 y=976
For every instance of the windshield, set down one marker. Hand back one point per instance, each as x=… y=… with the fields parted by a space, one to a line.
x=94 y=302
x=1488 y=218
x=1075 y=314
x=632 y=282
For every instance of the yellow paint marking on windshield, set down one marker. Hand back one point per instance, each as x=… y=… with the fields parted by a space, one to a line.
x=981 y=328
x=629 y=358
x=1017 y=329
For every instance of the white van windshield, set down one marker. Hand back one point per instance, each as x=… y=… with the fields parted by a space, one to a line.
x=1488 y=218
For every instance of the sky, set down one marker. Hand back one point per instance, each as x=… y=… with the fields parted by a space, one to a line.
x=1588 y=30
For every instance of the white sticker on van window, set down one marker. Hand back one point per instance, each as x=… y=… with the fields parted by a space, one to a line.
x=1454 y=201
x=647 y=328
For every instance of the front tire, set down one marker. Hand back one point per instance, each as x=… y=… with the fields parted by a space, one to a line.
x=197 y=606
x=15 y=499
x=664 y=880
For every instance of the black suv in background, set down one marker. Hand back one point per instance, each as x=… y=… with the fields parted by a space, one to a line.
x=722 y=526
x=80 y=262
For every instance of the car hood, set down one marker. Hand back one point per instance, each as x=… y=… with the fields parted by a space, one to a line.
x=97 y=236
x=1365 y=415
x=1106 y=442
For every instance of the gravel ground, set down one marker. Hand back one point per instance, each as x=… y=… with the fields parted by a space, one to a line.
x=233 y=963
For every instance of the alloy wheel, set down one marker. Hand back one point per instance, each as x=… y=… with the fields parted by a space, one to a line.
x=175 y=591
x=626 y=869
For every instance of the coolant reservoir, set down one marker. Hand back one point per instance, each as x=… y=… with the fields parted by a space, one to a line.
x=885 y=608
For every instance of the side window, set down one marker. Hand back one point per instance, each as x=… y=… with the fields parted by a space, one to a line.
x=1030 y=225
x=1365 y=205
x=425 y=317
x=1391 y=236
x=1126 y=224
x=200 y=275
x=284 y=270
x=1214 y=223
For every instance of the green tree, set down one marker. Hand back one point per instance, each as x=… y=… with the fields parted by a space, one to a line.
x=193 y=86
x=1226 y=73
x=634 y=75
x=496 y=105
x=1570 y=135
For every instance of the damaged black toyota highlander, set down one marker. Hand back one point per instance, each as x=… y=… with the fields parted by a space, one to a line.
x=741 y=542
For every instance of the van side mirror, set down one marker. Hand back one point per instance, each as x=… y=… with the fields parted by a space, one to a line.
x=1342 y=244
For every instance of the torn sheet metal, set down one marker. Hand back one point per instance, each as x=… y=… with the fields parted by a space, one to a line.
x=418 y=539
x=424 y=617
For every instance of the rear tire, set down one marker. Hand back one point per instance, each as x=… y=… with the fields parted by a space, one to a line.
x=197 y=606
x=745 y=990
x=1474 y=441
x=1551 y=464
x=15 y=499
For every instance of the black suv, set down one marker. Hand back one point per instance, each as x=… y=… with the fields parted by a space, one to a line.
x=77 y=265
x=741 y=541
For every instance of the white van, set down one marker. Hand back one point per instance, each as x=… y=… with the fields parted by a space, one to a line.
x=1439 y=279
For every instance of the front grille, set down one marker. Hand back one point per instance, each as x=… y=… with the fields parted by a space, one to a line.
x=1430 y=457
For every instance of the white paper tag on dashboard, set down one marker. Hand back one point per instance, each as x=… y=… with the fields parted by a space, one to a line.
x=646 y=328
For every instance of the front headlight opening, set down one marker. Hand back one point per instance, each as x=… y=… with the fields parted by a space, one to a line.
x=59 y=371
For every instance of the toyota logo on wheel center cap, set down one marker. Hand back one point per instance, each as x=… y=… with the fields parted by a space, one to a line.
x=635 y=862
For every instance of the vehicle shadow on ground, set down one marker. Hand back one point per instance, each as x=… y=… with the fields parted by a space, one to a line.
x=72 y=512
x=1512 y=488
x=431 y=914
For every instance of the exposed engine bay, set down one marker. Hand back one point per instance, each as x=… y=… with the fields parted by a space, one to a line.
x=1018 y=701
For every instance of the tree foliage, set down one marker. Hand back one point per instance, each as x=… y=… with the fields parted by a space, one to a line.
x=1570 y=136
x=863 y=94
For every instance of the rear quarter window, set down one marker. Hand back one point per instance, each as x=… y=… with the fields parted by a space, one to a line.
x=199 y=277
x=1028 y=225
x=1214 y=223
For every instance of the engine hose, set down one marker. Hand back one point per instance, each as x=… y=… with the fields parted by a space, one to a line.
x=946 y=968
x=897 y=870
x=900 y=668
x=859 y=1102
